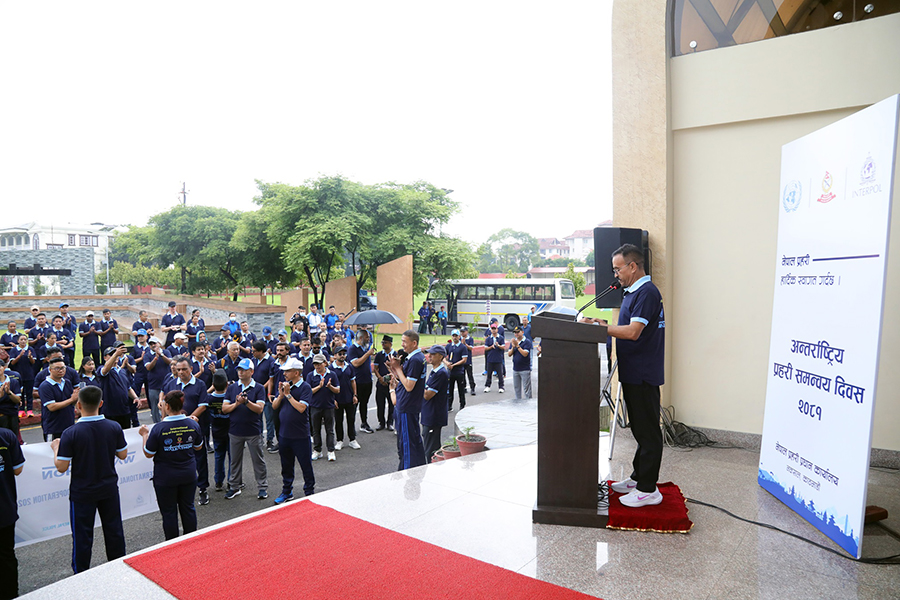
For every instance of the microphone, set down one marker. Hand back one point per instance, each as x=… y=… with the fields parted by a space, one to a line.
x=613 y=286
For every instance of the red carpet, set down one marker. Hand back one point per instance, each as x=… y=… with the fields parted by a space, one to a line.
x=669 y=516
x=309 y=551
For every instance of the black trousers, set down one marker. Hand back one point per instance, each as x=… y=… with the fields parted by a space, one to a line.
x=94 y=354
x=470 y=377
x=9 y=566
x=363 y=393
x=460 y=379
x=175 y=499
x=431 y=439
x=81 y=518
x=301 y=451
x=382 y=399
x=341 y=413
x=642 y=402
x=322 y=417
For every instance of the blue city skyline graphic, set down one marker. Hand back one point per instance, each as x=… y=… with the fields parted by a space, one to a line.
x=836 y=527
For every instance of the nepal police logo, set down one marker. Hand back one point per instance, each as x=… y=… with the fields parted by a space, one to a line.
x=790 y=199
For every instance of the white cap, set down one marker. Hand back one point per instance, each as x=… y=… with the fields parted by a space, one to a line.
x=181 y=336
x=89 y=313
x=292 y=363
x=35 y=307
x=154 y=340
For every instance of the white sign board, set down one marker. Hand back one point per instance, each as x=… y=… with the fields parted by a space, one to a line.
x=834 y=218
x=44 y=492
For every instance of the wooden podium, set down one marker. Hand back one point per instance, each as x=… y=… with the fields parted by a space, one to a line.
x=568 y=421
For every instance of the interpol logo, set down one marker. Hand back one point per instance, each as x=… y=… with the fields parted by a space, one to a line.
x=793 y=192
x=827 y=183
x=867 y=174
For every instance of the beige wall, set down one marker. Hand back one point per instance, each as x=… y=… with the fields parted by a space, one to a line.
x=731 y=111
x=395 y=292
x=342 y=294
x=291 y=299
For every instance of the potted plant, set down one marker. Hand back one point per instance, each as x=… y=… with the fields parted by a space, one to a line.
x=470 y=443
x=450 y=449
x=437 y=457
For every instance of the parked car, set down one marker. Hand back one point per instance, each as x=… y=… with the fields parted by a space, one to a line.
x=367 y=303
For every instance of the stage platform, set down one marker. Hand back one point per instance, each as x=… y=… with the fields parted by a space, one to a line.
x=481 y=506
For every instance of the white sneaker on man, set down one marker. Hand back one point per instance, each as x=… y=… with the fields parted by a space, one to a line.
x=636 y=498
x=624 y=486
x=339 y=445
x=332 y=457
x=486 y=390
x=354 y=444
x=316 y=455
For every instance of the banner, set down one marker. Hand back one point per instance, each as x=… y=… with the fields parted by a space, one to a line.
x=44 y=492
x=834 y=218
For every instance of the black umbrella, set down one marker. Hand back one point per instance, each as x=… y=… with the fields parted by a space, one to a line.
x=373 y=317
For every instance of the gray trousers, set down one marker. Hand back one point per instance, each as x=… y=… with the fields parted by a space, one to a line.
x=521 y=378
x=255 y=448
x=153 y=403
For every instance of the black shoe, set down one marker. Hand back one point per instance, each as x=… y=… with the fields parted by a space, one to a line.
x=232 y=493
x=380 y=427
x=219 y=487
x=272 y=447
x=204 y=497
x=390 y=428
x=365 y=427
x=473 y=391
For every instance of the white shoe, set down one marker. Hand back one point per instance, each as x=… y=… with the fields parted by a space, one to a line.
x=636 y=498
x=339 y=445
x=486 y=390
x=502 y=390
x=316 y=455
x=624 y=486
x=331 y=457
x=354 y=444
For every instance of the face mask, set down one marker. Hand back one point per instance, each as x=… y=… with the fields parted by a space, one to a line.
x=232 y=319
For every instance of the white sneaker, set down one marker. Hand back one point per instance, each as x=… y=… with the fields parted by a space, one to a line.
x=316 y=455
x=339 y=445
x=486 y=390
x=624 y=486
x=331 y=457
x=636 y=498
x=354 y=444
x=502 y=390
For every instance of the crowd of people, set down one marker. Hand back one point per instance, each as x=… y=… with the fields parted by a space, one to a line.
x=294 y=392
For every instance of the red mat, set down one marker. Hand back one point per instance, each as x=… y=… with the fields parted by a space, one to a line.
x=309 y=551
x=669 y=516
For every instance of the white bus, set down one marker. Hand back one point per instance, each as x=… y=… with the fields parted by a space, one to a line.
x=476 y=301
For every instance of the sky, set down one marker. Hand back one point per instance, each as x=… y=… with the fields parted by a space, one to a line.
x=108 y=107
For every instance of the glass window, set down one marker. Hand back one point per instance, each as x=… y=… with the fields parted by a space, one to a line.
x=567 y=290
x=35 y=242
x=71 y=239
x=84 y=240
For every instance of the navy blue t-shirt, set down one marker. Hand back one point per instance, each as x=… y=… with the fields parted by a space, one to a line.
x=263 y=369
x=493 y=355
x=220 y=421
x=322 y=398
x=56 y=421
x=24 y=366
x=292 y=423
x=642 y=360
x=174 y=351
x=172 y=443
x=11 y=458
x=8 y=406
x=230 y=368
x=470 y=346
x=109 y=333
x=434 y=411
x=194 y=391
x=35 y=332
x=90 y=446
x=344 y=376
x=522 y=363
x=413 y=368
x=455 y=353
x=168 y=321
x=91 y=341
x=381 y=361
x=244 y=422
x=115 y=388
x=156 y=372
x=363 y=371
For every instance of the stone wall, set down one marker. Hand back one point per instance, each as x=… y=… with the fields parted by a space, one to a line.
x=79 y=260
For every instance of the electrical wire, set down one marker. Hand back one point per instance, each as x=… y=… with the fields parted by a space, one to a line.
x=885 y=560
x=679 y=435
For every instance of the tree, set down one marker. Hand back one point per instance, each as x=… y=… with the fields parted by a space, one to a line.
x=141 y=275
x=560 y=262
x=589 y=260
x=514 y=250
x=577 y=279
x=259 y=262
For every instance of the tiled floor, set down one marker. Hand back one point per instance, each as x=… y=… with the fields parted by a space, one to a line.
x=481 y=506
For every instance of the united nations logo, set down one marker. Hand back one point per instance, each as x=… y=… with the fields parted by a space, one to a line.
x=168 y=442
x=868 y=170
x=793 y=192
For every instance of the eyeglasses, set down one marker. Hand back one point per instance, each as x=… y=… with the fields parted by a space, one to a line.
x=617 y=269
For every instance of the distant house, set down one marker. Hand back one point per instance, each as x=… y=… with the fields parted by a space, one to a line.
x=551 y=272
x=553 y=248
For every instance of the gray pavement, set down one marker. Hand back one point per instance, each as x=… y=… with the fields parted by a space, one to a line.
x=47 y=562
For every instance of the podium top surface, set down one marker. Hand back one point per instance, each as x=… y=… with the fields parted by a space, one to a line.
x=563 y=327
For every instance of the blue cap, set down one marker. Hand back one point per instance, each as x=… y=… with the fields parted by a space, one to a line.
x=267 y=330
x=63 y=304
x=454 y=332
x=245 y=364
x=141 y=332
x=282 y=332
x=437 y=349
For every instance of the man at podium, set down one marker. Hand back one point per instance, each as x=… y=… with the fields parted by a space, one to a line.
x=640 y=347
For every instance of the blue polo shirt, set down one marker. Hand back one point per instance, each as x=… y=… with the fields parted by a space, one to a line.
x=92 y=340
x=54 y=422
x=522 y=363
x=642 y=360
x=230 y=368
x=469 y=341
x=263 y=369
x=308 y=366
x=292 y=423
x=138 y=352
x=156 y=375
x=90 y=445
x=455 y=353
x=93 y=380
x=344 y=375
x=11 y=458
x=220 y=421
x=35 y=332
x=115 y=388
x=434 y=411
x=145 y=325
x=172 y=443
x=24 y=366
x=168 y=321
x=363 y=371
x=9 y=339
x=244 y=422
x=381 y=361
x=109 y=335
x=493 y=355
x=71 y=376
x=322 y=398
x=193 y=330
x=413 y=368
x=8 y=406
x=174 y=351
x=194 y=393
